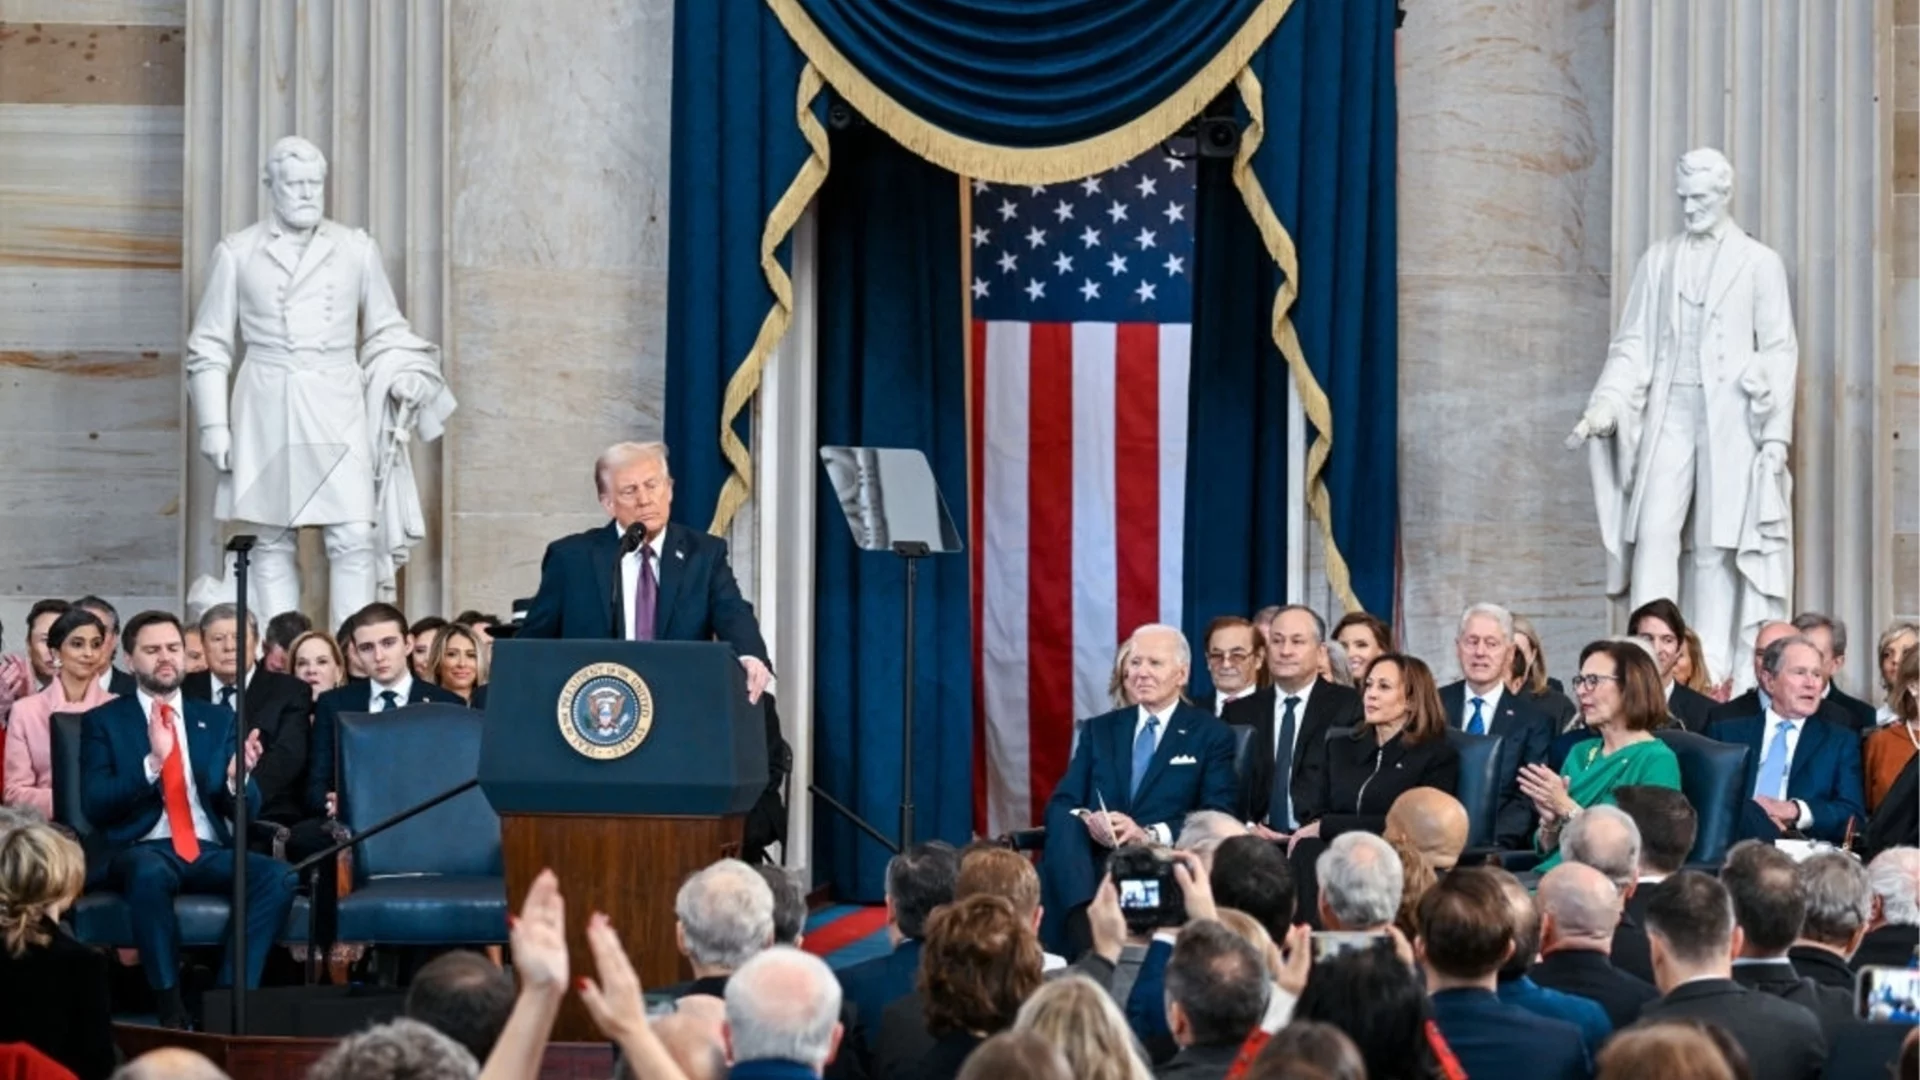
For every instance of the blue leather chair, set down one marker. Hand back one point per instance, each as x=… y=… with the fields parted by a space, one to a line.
x=100 y=916
x=1479 y=783
x=1713 y=777
x=436 y=879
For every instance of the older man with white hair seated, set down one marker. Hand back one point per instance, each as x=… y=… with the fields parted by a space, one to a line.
x=783 y=1017
x=725 y=915
x=1894 y=939
x=1136 y=774
x=1360 y=881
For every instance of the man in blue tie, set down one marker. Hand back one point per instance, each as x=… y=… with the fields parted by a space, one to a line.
x=1135 y=775
x=1803 y=773
x=1479 y=704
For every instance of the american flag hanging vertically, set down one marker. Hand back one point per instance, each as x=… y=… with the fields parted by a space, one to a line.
x=1082 y=326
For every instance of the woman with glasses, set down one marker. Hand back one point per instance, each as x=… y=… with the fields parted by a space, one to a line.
x=1622 y=699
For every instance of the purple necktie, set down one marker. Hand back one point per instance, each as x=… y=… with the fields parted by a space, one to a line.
x=643 y=598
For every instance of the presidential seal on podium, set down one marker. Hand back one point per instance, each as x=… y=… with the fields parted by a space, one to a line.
x=605 y=711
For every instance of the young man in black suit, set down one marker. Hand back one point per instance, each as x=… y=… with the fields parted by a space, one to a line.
x=1290 y=719
x=1839 y=898
x=1690 y=924
x=277 y=706
x=1667 y=826
x=1769 y=908
x=643 y=577
x=1579 y=910
x=1480 y=704
x=1658 y=623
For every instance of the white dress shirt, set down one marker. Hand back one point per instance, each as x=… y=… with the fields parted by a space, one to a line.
x=1280 y=696
x=630 y=567
x=1487 y=711
x=215 y=684
x=1794 y=727
x=1220 y=700
x=106 y=677
x=401 y=691
x=202 y=824
x=1159 y=831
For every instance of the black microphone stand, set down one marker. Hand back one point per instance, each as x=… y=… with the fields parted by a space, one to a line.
x=242 y=548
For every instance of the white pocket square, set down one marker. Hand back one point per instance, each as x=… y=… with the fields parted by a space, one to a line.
x=1185 y=759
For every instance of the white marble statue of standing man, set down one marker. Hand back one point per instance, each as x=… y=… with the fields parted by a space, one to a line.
x=333 y=385
x=1691 y=420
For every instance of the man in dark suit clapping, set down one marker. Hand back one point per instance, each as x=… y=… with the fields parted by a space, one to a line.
x=278 y=706
x=1135 y=776
x=643 y=577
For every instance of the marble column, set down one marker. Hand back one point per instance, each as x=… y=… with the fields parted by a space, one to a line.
x=1505 y=159
x=1901 y=132
x=1790 y=90
x=90 y=321
x=366 y=81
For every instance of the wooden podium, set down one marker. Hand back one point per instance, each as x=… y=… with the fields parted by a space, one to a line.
x=623 y=767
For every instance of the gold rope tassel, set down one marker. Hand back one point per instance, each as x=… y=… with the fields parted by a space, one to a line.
x=746 y=379
x=1312 y=398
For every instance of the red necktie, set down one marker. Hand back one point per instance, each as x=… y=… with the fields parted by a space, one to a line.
x=173 y=791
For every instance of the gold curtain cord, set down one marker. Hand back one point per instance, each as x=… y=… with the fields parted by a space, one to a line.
x=1030 y=165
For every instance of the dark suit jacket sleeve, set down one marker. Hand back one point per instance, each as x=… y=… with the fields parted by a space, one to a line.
x=731 y=615
x=110 y=790
x=326 y=723
x=1146 y=1003
x=284 y=737
x=213 y=780
x=543 y=615
x=1843 y=793
x=1219 y=787
x=1513 y=824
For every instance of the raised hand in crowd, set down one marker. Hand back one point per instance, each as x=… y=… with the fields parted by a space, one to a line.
x=538 y=939
x=618 y=1005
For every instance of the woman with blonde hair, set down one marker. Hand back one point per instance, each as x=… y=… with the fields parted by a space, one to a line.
x=1077 y=1015
x=53 y=990
x=458 y=664
x=316 y=660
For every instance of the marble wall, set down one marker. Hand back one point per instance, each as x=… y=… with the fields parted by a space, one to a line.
x=558 y=126
x=1505 y=164
x=1903 y=244
x=91 y=96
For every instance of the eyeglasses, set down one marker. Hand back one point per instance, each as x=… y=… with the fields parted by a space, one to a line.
x=1232 y=656
x=1591 y=682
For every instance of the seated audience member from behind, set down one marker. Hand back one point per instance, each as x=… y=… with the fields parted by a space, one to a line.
x=1516 y=984
x=1659 y=624
x=1671 y=1049
x=1839 y=898
x=1466 y=935
x=1134 y=777
x=1234 y=660
x=53 y=990
x=1768 y=907
x=1205 y=830
x=278 y=706
x=1803 y=773
x=1251 y=875
x=1216 y=994
x=980 y=963
x=1308 y=1049
x=1579 y=909
x=157 y=775
x=170 y=1063
x=1075 y=1014
x=1691 y=928
x=1431 y=822
x=1016 y=1053
x=725 y=915
x=783 y=1016
x=1606 y=839
x=464 y=996
x=1479 y=704
x=1377 y=1000
x=1893 y=934
x=919 y=880
x=789 y=904
x=398 y=1050
x=1360 y=881
x=1667 y=825
x=998 y=871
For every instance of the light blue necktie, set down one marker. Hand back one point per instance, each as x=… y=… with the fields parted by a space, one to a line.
x=1143 y=748
x=1477 y=724
x=1773 y=768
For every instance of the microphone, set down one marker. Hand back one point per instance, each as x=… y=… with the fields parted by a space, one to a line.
x=635 y=536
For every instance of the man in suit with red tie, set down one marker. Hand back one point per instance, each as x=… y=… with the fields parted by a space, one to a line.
x=644 y=578
x=157 y=779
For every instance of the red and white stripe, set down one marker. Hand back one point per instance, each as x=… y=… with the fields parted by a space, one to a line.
x=1079 y=444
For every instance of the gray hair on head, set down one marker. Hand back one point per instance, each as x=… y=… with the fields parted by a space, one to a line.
x=222 y=612
x=1895 y=876
x=1836 y=630
x=1839 y=896
x=1605 y=838
x=1360 y=879
x=726 y=914
x=1498 y=614
x=1204 y=830
x=397 y=1050
x=783 y=1005
x=1180 y=639
x=1705 y=160
x=1775 y=654
x=291 y=148
x=622 y=454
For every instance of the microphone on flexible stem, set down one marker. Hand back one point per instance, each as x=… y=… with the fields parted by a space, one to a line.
x=635 y=535
x=630 y=542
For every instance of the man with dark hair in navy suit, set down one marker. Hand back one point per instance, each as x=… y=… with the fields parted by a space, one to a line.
x=1804 y=773
x=1135 y=776
x=643 y=577
x=157 y=779
x=919 y=879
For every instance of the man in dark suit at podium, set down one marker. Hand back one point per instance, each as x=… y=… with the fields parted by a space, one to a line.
x=1136 y=775
x=278 y=706
x=643 y=577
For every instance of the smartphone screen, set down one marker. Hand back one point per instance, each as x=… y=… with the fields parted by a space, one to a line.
x=1139 y=894
x=1329 y=943
x=1887 y=995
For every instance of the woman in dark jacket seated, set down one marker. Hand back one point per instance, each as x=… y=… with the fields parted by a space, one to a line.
x=1401 y=745
x=53 y=990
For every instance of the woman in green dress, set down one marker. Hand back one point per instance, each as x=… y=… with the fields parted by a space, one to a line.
x=1621 y=696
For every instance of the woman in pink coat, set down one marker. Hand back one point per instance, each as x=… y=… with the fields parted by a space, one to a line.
x=78 y=640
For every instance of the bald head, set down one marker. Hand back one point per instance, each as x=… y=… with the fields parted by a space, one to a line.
x=1579 y=909
x=169 y=1063
x=1605 y=838
x=1769 y=633
x=783 y=1005
x=1431 y=822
